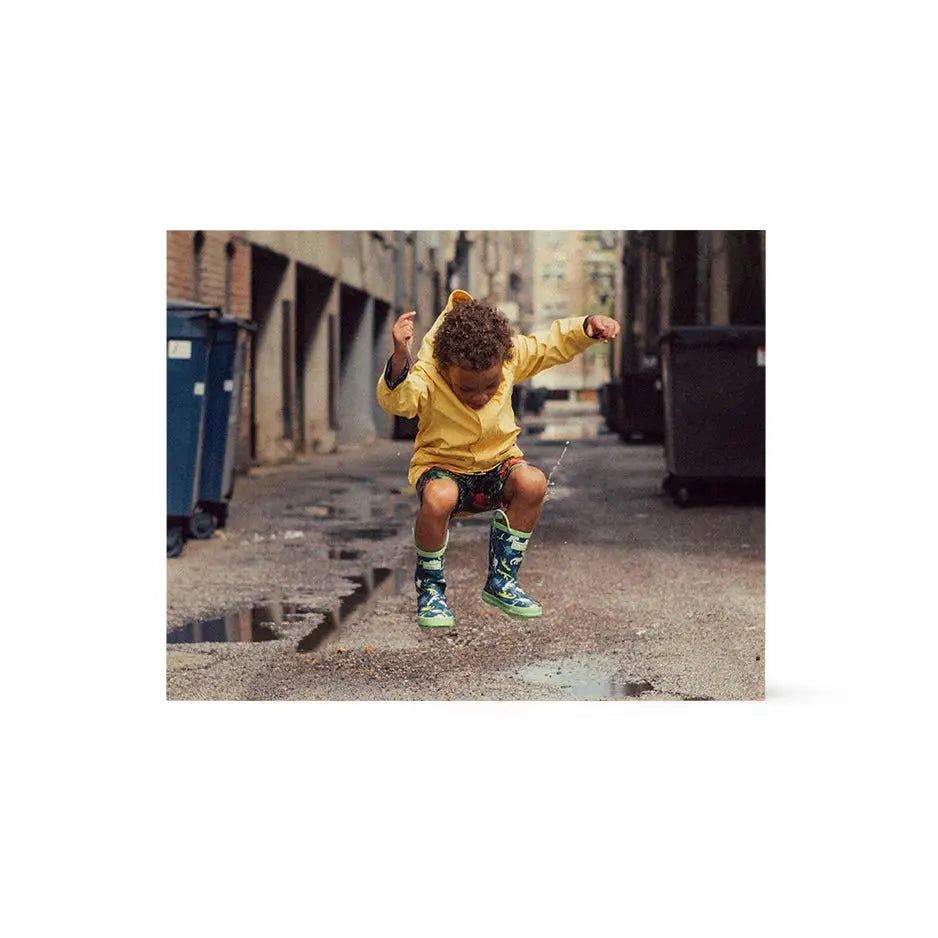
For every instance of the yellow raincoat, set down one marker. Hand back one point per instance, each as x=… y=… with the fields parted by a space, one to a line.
x=452 y=434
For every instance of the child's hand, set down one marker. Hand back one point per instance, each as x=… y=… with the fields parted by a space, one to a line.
x=403 y=333
x=602 y=327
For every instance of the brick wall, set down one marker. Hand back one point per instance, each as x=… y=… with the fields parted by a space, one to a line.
x=240 y=277
x=180 y=266
x=197 y=269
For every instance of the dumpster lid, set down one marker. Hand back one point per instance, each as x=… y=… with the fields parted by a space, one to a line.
x=238 y=321
x=714 y=335
x=191 y=309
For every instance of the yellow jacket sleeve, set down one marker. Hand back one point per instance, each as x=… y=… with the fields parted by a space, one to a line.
x=565 y=339
x=405 y=396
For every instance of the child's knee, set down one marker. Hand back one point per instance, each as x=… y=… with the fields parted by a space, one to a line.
x=440 y=496
x=528 y=482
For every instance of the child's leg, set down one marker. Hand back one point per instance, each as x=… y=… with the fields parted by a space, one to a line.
x=524 y=493
x=438 y=497
x=438 y=501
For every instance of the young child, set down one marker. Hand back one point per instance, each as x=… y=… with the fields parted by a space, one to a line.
x=466 y=457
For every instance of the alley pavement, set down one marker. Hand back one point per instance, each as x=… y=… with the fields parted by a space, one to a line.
x=307 y=593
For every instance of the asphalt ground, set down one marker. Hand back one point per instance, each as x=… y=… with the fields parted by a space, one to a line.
x=311 y=584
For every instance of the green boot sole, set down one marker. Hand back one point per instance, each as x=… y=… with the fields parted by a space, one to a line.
x=436 y=622
x=519 y=612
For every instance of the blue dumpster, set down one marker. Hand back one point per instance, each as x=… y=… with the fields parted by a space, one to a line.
x=226 y=365
x=189 y=331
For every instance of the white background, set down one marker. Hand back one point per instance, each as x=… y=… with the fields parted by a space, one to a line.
x=811 y=813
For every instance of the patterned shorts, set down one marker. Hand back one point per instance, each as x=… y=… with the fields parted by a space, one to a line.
x=477 y=491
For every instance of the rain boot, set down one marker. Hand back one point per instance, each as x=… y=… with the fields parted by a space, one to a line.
x=432 y=611
x=506 y=552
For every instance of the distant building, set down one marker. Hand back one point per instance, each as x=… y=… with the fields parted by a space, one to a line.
x=575 y=274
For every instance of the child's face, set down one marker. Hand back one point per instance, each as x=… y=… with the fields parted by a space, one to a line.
x=474 y=388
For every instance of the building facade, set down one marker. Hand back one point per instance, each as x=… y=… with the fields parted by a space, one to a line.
x=324 y=303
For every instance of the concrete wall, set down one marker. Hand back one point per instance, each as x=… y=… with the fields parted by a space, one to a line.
x=357 y=377
x=273 y=298
x=383 y=316
x=319 y=379
x=719 y=279
x=317 y=304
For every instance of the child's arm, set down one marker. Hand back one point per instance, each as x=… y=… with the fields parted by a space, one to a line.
x=402 y=388
x=402 y=334
x=565 y=339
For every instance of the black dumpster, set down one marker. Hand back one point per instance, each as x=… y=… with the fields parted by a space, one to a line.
x=642 y=412
x=534 y=400
x=519 y=395
x=713 y=385
x=610 y=405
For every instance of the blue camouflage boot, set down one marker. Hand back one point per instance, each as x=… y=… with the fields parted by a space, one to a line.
x=506 y=552
x=432 y=611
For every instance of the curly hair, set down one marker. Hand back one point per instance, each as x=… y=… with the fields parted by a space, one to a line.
x=473 y=336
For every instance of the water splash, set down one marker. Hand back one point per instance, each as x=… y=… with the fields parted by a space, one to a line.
x=552 y=471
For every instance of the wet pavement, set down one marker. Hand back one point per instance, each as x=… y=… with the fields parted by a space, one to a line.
x=308 y=594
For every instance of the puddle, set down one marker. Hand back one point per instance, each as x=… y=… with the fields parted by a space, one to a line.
x=246 y=625
x=321 y=511
x=269 y=621
x=365 y=511
x=363 y=534
x=582 y=679
x=365 y=587
x=624 y=689
x=329 y=624
x=341 y=553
